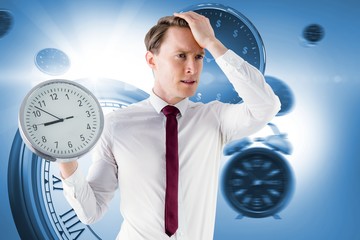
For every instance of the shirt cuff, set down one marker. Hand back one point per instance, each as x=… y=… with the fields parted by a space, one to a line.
x=76 y=179
x=230 y=58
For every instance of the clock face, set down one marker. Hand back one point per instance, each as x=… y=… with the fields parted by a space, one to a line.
x=236 y=32
x=52 y=61
x=60 y=119
x=257 y=182
x=38 y=205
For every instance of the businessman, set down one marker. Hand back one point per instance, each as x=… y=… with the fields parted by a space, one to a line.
x=164 y=153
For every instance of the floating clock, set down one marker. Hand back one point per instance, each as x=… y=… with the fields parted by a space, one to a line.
x=52 y=61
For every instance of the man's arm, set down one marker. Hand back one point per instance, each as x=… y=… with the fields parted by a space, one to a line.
x=260 y=103
x=89 y=196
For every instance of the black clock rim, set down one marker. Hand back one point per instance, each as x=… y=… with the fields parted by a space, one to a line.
x=289 y=187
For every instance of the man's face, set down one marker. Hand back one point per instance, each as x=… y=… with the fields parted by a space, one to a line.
x=177 y=66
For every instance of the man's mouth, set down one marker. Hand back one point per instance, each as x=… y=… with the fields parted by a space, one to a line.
x=190 y=82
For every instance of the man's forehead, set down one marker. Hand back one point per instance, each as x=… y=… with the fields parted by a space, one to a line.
x=181 y=39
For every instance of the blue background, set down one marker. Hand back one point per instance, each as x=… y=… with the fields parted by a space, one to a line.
x=323 y=125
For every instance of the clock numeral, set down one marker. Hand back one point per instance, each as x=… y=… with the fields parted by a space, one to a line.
x=245 y=50
x=43 y=139
x=70 y=144
x=80 y=103
x=56 y=181
x=235 y=33
x=54 y=96
x=218 y=23
x=69 y=218
x=37 y=113
x=67 y=96
x=88 y=127
x=42 y=103
x=88 y=114
x=82 y=137
x=34 y=127
x=56 y=144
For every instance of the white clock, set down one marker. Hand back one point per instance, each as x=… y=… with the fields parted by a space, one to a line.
x=60 y=120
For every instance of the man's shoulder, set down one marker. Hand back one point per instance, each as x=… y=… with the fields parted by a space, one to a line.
x=130 y=110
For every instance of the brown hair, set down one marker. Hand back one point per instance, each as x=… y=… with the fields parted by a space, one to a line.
x=155 y=35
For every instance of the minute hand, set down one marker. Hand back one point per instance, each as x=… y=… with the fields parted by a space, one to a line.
x=47 y=112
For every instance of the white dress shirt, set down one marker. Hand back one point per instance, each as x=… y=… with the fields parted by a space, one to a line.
x=130 y=156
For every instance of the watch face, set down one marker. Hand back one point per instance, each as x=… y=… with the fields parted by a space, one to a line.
x=60 y=119
x=257 y=182
x=237 y=33
x=36 y=196
x=52 y=61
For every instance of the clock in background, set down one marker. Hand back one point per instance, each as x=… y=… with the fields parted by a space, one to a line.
x=238 y=33
x=257 y=180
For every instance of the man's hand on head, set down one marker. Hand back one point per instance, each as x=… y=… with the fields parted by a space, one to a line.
x=203 y=32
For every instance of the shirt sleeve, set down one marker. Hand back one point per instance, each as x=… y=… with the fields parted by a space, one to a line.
x=259 y=105
x=89 y=197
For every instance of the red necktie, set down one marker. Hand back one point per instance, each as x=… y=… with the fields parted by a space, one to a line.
x=172 y=170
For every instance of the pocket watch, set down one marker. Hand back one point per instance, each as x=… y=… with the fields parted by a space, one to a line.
x=60 y=120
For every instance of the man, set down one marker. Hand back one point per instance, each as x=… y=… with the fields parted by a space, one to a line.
x=131 y=155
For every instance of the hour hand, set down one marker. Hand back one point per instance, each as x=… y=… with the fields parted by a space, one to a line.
x=53 y=122
x=57 y=121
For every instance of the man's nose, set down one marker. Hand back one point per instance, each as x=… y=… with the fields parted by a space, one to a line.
x=191 y=67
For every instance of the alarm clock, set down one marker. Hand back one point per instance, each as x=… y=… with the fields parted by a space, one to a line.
x=257 y=181
x=236 y=32
x=60 y=120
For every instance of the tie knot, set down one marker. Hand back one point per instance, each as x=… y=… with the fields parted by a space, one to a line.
x=170 y=110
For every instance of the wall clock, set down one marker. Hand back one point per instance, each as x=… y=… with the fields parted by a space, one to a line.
x=60 y=120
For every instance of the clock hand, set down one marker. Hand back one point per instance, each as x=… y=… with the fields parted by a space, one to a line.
x=57 y=121
x=53 y=122
x=47 y=112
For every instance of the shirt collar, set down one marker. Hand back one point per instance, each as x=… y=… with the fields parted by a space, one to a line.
x=159 y=104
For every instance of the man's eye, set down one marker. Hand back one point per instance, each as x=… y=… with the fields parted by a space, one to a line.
x=181 y=55
x=199 y=57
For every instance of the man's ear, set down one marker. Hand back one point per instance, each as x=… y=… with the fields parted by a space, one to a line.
x=150 y=59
